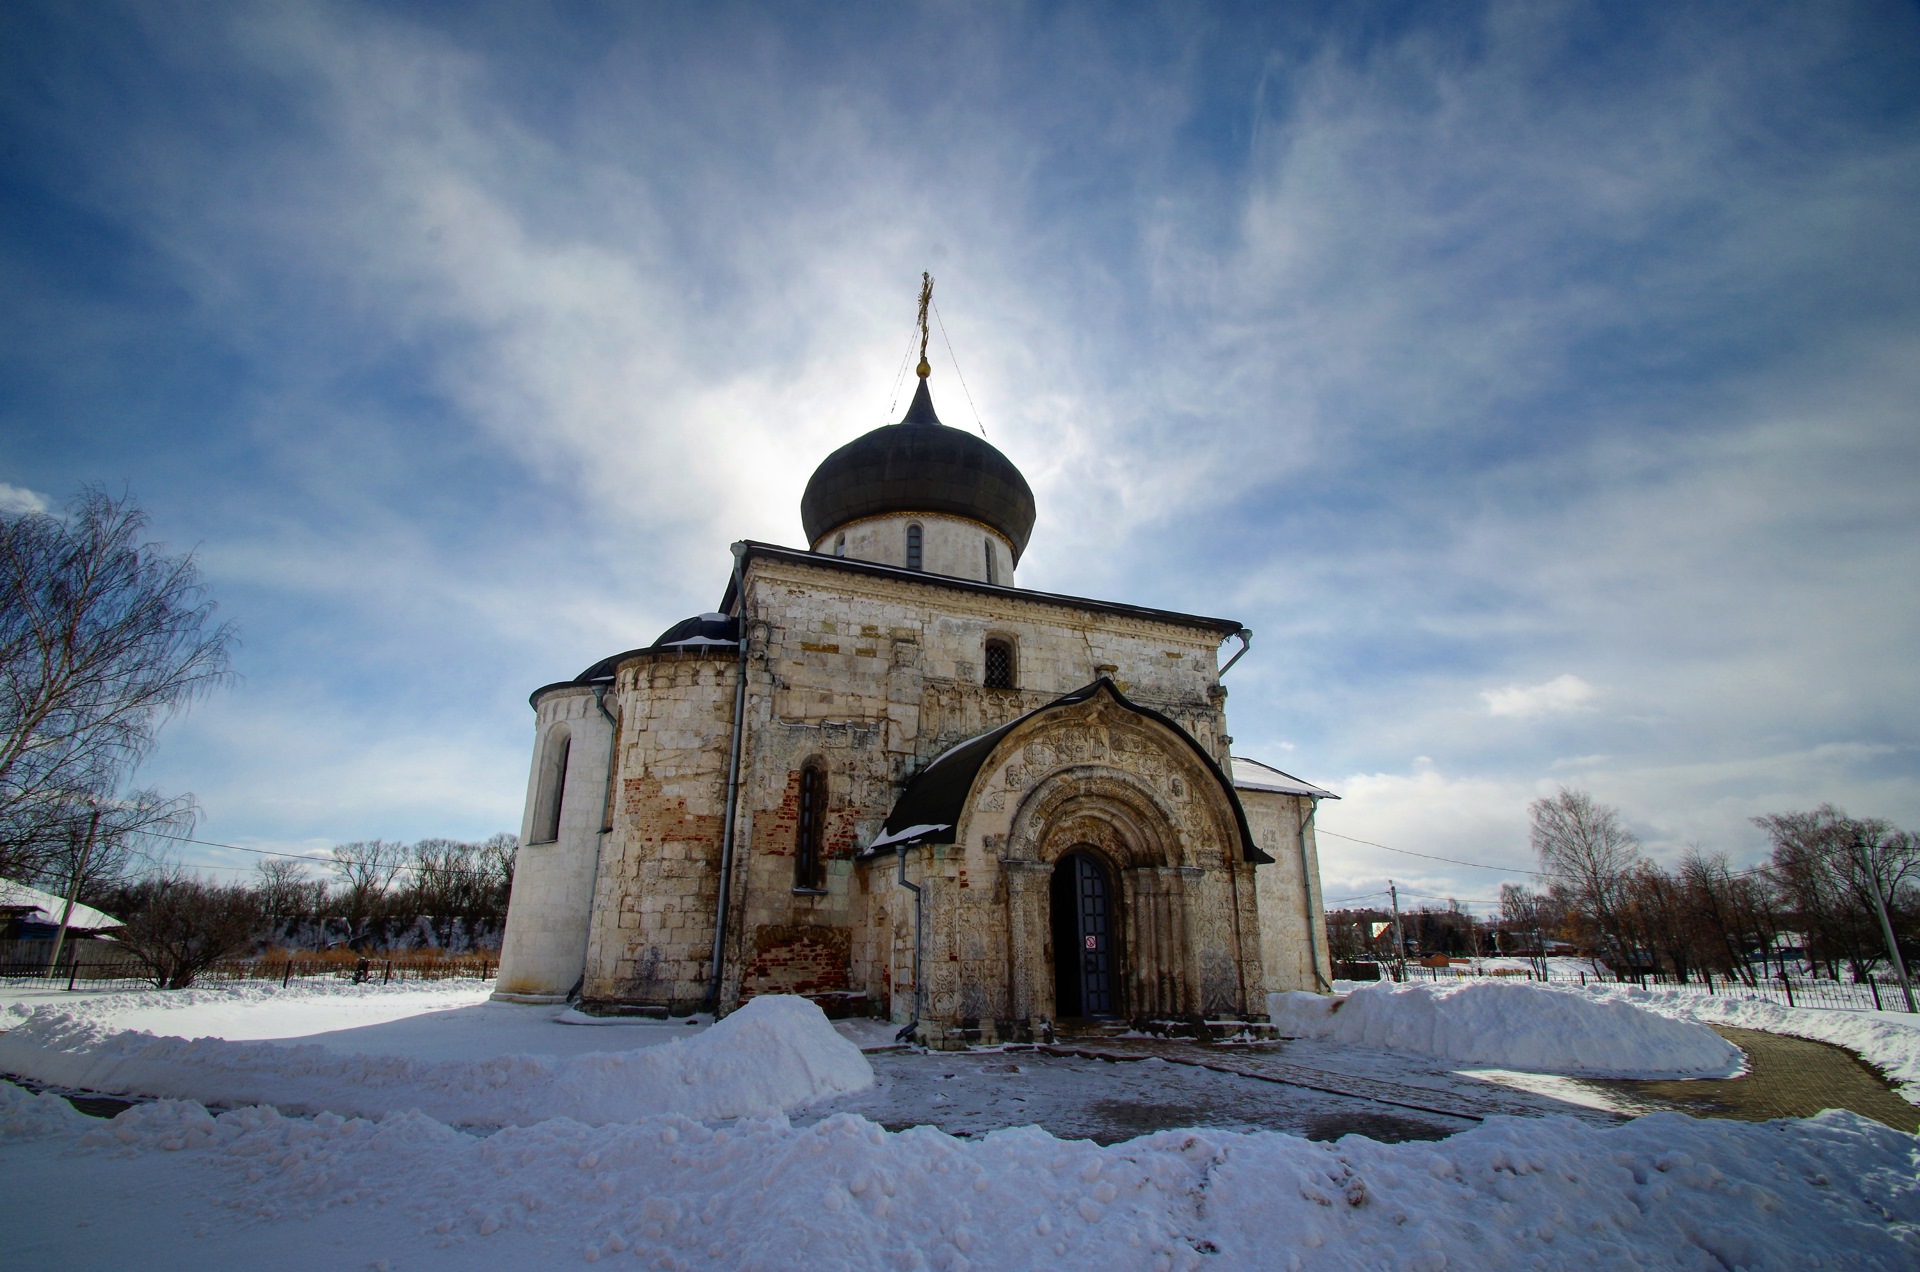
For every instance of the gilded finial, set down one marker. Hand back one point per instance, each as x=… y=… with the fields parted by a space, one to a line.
x=925 y=369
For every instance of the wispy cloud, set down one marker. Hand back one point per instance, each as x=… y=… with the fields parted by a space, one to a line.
x=20 y=499
x=1449 y=351
x=1561 y=694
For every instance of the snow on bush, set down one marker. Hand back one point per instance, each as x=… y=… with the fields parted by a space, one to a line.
x=1664 y=1191
x=774 y=1054
x=1890 y=1041
x=1512 y=1025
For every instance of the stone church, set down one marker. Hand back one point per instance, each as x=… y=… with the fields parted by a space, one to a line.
x=883 y=775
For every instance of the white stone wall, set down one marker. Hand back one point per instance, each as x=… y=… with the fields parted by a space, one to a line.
x=544 y=951
x=1293 y=923
x=954 y=546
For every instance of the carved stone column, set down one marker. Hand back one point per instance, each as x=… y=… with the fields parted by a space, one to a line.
x=1029 y=992
x=1184 y=893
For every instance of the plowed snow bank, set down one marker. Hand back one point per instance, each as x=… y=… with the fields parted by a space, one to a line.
x=1514 y=1026
x=774 y=1054
x=1888 y=1040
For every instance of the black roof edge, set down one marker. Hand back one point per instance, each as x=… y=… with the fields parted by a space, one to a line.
x=533 y=699
x=936 y=795
x=602 y=672
x=1225 y=626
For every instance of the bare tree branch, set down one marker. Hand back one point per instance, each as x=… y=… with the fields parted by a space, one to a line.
x=102 y=639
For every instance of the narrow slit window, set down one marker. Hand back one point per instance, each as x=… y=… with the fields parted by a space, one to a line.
x=913 y=547
x=988 y=545
x=553 y=788
x=840 y=546
x=807 y=866
x=999 y=664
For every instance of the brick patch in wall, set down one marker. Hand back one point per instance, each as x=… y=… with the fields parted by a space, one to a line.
x=793 y=958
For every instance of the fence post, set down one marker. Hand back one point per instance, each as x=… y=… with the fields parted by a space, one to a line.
x=389 y=976
x=73 y=968
x=287 y=979
x=1874 y=985
x=1788 y=982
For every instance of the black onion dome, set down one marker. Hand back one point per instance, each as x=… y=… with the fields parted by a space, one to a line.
x=919 y=465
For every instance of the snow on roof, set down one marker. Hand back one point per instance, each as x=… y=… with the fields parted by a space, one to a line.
x=1252 y=775
x=36 y=906
x=906 y=835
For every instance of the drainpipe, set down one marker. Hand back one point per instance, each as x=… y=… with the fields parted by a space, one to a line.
x=1245 y=637
x=613 y=742
x=1306 y=892
x=912 y=1026
x=733 y=783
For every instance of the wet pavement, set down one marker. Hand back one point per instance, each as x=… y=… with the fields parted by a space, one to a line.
x=1109 y=1099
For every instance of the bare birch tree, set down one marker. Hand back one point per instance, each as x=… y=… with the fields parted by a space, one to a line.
x=102 y=638
x=1583 y=848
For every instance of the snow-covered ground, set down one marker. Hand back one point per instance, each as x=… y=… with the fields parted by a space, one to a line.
x=166 y=1186
x=1514 y=1025
x=737 y=1184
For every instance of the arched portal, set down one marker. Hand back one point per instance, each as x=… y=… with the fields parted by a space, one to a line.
x=1086 y=954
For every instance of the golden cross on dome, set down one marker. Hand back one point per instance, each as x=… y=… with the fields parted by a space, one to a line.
x=926 y=298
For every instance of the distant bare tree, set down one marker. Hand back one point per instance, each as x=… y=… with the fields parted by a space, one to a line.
x=1523 y=920
x=493 y=858
x=1819 y=869
x=497 y=854
x=366 y=869
x=102 y=638
x=446 y=877
x=181 y=925
x=1584 y=849
x=285 y=889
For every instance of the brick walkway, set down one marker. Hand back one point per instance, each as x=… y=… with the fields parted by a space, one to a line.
x=1786 y=1077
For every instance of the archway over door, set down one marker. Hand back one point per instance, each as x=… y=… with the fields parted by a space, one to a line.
x=1086 y=954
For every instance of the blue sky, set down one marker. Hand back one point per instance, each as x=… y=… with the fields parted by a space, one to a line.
x=1536 y=380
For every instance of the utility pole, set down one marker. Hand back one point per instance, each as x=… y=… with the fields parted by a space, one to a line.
x=1399 y=942
x=80 y=872
x=1886 y=926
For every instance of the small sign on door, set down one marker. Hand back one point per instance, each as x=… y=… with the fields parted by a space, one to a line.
x=1093 y=942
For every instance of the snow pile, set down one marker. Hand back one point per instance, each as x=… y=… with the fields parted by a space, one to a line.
x=173 y=1187
x=24 y=1115
x=1513 y=1025
x=1890 y=1041
x=255 y=1009
x=774 y=1054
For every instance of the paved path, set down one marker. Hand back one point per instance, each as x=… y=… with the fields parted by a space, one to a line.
x=1414 y=1084
x=1786 y=1077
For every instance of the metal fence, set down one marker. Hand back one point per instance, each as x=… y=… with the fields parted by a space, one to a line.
x=121 y=969
x=1872 y=994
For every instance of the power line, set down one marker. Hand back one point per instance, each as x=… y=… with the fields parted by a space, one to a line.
x=1476 y=865
x=1452 y=861
x=313 y=861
